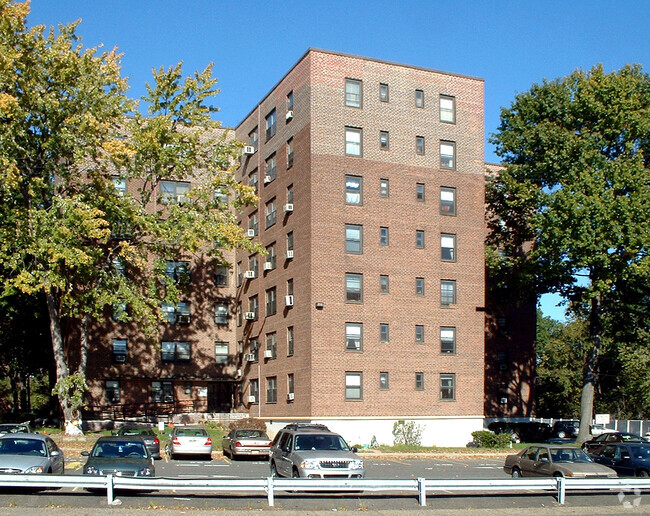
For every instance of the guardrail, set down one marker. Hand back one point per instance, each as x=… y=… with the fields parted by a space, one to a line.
x=420 y=486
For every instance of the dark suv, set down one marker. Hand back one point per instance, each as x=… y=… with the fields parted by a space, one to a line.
x=564 y=429
x=312 y=451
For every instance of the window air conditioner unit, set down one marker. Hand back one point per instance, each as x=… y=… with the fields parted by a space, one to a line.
x=249 y=149
x=249 y=274
x=288 y=207
x=238 y=375
x=268 y=266
x=268 y=353
x=290 y=396
x=252 y=399
x=181 y=199
x=120 y=358
x=250 y=233
x=288 y=300
x=267 y=179
x=503 y=401
x=182 y=319
x=249 y=316
x=249 y=357
x=290 y=254
x=289 y=114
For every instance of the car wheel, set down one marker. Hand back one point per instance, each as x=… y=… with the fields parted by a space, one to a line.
x=561 y=434
x=643 y=473
x=274 y=470
x=557 y=474
x=516 y=473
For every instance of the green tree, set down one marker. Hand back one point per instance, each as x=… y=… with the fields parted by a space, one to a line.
x=66 y=232
x=573 y=200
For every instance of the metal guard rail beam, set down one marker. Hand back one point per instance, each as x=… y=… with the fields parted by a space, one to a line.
x=268 y=486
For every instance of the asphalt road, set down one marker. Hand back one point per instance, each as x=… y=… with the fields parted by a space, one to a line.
x=77 y=502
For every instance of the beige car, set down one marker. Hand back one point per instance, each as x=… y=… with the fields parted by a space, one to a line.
x=555 y=461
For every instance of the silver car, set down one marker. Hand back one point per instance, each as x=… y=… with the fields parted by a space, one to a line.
x=246 y=441
x=30 y=453
x=189 y=440
x=15 y=428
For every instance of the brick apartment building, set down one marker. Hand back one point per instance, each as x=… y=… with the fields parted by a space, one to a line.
x=370 y=304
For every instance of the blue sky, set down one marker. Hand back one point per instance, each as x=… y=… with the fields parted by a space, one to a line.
x=510 y=44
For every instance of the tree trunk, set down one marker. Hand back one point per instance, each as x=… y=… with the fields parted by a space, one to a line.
x=590 y=372
x=62 y=370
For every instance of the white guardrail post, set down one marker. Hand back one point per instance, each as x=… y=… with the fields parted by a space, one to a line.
x=269 y=491
x=561 y=490
x=109 y=489
x=422 y=491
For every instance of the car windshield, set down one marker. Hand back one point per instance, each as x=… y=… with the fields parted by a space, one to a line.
x=119 y=449
x=640 y=452
x=22 y=447
x=569 y=455
x=191 y=432
x=13 y=429
x=320 y=442
x=250 y=434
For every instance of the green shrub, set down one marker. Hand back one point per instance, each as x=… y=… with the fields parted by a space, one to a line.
x=487 y=439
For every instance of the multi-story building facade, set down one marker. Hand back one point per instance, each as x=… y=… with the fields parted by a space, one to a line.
x=369 y=305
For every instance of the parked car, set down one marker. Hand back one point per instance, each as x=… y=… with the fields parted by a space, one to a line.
x=597 y=429
x=148 y=436
x=246 y=441
x=189 y=440
x=627 y=459
x=527 y=431
x=554 y=461
x=565 y=429
x=596 y=445
x=30 y=453
x=14 y=428
x=312 y=451
x=123 y=456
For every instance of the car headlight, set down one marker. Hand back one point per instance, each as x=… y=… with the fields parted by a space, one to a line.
x=145 y=472
x=35 y=469
x=309 y=464
x=356 y=464
x=91 y=470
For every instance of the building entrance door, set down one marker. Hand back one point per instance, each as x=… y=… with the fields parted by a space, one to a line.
x=221 y=396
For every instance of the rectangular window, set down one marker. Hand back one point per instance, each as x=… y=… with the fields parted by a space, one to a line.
x=290 y=194
x=290 y=383
x=383 y=235
x=353 y=141
x=448 y=201
x=221 y=353
x=162 y=392
x=448 y=247
x=447 y=292
x=419 y=286
x=419 y=192
x=448 y=339
x=290 y=287
x=177 y=314
x=353 y=190
x=253 y=223
x=419 y=145
x=120 y=186
x=270 y=257
x=254 y=347
x=253 y=266
x=419 y=239
x=174 y=192
x=177 y=271
x=384 y=332
x=253 y=138
x=271 y=345
x=119 y=351
x=290 y=101
x=272 y=389
x=253 y=305
x=383 y=92
x=290 y=341
x=240 y=314
x=270 y=169
x=290 y=241
x=448 y=387
x=254 y=392
x=353 y=385
x=175 y=351
x=221 y=275
x=447 y=109
x=271 y=305
x=419 y=333
x=383 y=284
x=383 y=381
x=502 y=327
x=290 y=153
x=353 y=239
x=353 y=336
x=113 y=391
x=384 y=190
x=354 y=288
x=419 y=381
x=353 y=95
x=271 y=124
x=419 y=98
x=383 y=140
x=253 y=180
x=271 y=213
x=221 y=314
x=448 y=155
